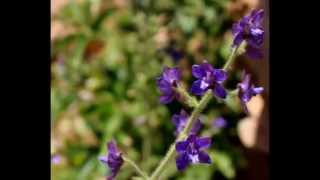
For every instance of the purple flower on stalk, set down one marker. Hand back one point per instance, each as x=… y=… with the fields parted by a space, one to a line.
x=249 y=29
x=114 y=160
x=219 y=122
x=191 y=151
x=180 y=121
x=167 y=82
x=247 y=91
x=208 y=78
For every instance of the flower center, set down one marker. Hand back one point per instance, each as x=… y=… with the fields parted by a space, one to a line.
x=194 y=158
x=204 y=84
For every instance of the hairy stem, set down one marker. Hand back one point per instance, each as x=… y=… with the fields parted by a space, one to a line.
x=230 y=59
x=199 y=108
x=135 y=166
x=188 y=99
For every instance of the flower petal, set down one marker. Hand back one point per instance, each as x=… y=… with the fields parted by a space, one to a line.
x=255 y=37
x=207 y=67
x=196 y=88
x=257 y=16
x=236 y=28
x=219 y=75
x=238 y=38
x=245 y=21
x=112 y=147
x=219 y=91
x=246 y=96
x=192 y=138
x=166 y=98
x=164 y=86
x=182 y=161
x=171 y=74
x=179 y=120
x=176 y=119
x=204 y=142
x=204 y=158
x=196 y=127
x=245 y=84
x=198 y=71
x=181 y=146
x=256 y=90
x=103 y=159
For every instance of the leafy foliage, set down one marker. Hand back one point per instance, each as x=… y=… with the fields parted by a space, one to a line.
x=103 y=82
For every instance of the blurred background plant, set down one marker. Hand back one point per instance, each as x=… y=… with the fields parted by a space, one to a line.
x=105 y=57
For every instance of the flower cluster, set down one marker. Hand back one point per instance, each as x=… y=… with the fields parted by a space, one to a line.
x=208 y=78
x=191 y=151
x=189 y=146
x=249 y=29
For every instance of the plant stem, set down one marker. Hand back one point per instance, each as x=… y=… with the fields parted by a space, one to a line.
x=135 y=166
x=189 y=100
x=202 y=104
x=231 y=58
x=199 y=108
x=164 y=162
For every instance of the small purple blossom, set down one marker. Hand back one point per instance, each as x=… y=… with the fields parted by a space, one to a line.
x=249 y=29
x=167 y=82
x=191 y=151
x=247 y=91
x=180 y=121
x=56 y=159
x=208 y=78
x=219 y=122
x=114 y=160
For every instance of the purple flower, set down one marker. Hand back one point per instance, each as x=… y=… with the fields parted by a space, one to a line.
x=113 y=160
x=180 y=121
x=191 y=151
x=249 y=28
x=247 y=91
x=167 y=82
x=219 y=122
x=208 y=78
x=56 y=159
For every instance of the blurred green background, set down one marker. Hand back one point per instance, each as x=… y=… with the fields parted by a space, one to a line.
x=103 y=86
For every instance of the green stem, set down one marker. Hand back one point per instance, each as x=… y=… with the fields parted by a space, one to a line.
x=230 y=59
x=199 y=108
x=189 y=100
x=135 y=166
x=195 y=114
x=164 y=162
